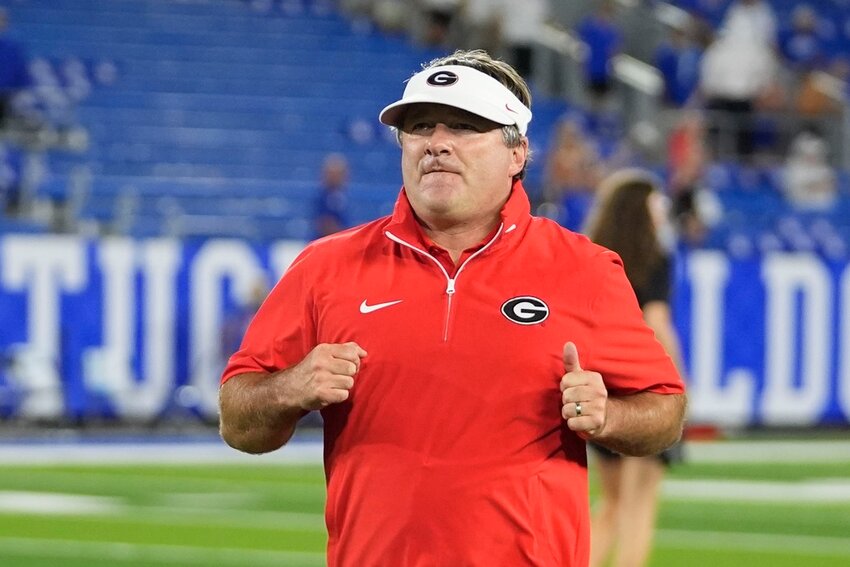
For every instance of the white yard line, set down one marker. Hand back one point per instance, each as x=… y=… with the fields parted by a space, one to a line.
x=163 y=515
x=310 y=452
x=60 y=504
x=153 y=452
x=754 y=542
x=803 y=493
x=50 y=503
x=769 y=451
x=182 y=555
x=118 y=553
x=806 y=492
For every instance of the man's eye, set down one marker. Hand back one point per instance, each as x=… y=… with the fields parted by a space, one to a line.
x=471 y=127
x=420 y=127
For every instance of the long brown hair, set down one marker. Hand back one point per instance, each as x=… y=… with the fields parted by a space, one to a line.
x=621 y=221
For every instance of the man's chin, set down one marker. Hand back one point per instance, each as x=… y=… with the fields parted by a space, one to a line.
x=432 y=205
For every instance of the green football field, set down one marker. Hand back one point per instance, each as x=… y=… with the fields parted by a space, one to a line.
x=783 y=507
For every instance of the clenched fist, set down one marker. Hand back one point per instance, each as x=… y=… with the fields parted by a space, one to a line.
x=325 y=376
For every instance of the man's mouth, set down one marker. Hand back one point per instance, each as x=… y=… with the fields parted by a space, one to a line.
x=438 y=169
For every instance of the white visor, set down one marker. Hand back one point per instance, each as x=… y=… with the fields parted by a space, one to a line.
x=462 y=87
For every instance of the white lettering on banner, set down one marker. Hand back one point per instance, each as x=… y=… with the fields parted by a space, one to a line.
x=786 y=276
x=843 y=394
x=161 y=258
x=109 y=369
x=215 y=262
x=43 y=266
x=709 y=400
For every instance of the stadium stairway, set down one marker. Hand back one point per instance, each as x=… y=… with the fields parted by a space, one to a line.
x=222 y=100
x=196 y=102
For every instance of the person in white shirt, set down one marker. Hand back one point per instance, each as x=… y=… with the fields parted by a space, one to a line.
x=809 y=180
x=520 y=24
x=753 y=20
x=735 y=73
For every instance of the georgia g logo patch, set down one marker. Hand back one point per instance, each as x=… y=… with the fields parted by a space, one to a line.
x=442 y=79
x=525 y=310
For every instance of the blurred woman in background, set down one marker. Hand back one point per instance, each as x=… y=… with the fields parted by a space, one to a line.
x=631 y=218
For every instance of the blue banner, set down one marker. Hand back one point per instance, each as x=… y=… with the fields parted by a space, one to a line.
x=138 y=329
x=765 y=339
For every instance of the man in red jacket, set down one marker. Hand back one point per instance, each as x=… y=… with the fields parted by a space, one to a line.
x=497 y=344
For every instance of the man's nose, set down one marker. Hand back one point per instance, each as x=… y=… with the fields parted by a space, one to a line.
x=439 y=142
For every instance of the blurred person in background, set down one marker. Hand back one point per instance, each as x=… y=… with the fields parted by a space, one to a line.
x=753 y=20
x=805 y=48
x=630 y=218
x=454 y=422
x=521 y=25
x=709 y=12
x=572 y=170
x=332 y=203
x=678 y=58
x=392 y=16
x=821 y=92
x=10 y=180
x=481 y=25
x=738 y=76
x=14 y=76
x=687 y=159
x=604 y=40
x=237 y=318
x=802 y=44
x=809 y=181
x=439 y=16
x=640 y=145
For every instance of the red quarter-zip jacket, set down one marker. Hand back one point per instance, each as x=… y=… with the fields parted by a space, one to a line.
x=451 y=450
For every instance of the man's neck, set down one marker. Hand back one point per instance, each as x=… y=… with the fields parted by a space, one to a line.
x=457 y=238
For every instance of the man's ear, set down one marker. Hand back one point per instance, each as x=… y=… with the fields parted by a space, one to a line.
x=519 y=155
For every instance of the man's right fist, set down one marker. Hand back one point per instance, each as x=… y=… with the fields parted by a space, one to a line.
x=325 y=376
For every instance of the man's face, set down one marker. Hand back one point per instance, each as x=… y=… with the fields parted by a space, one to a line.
x=456 y=167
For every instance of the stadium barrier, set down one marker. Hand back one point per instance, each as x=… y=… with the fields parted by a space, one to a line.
x=118 y=328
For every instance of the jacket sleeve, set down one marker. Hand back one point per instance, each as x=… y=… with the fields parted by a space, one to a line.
x=623 y=348
x=283 y=331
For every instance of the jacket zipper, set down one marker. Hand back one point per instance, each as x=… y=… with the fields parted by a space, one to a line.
x=450 y=291
x=451 y=282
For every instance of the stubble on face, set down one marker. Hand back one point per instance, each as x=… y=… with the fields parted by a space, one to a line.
x=454 y=163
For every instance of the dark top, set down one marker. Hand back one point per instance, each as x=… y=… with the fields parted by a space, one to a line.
x=658 y=286
x=331 y=211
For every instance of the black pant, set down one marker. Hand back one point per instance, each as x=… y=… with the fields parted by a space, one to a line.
x=734 y=129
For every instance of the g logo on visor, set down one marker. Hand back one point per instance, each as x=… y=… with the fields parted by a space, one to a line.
x=525 y=310
x=442 y=79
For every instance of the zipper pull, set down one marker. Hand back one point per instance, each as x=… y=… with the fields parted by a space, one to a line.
x=450 y=288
